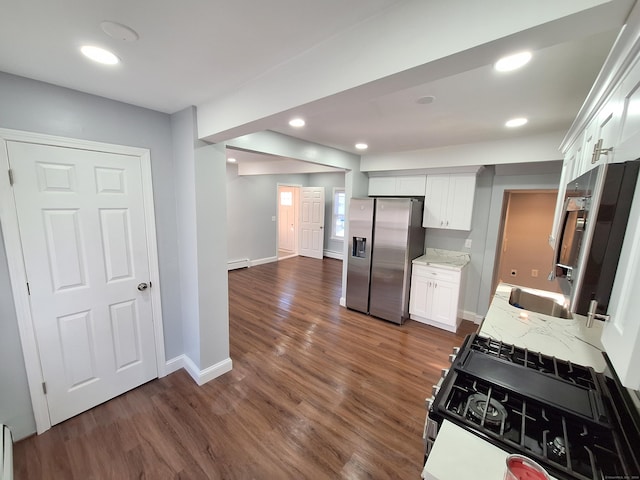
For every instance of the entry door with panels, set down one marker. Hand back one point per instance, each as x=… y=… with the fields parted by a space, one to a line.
x=82 y=226
x=312 y=222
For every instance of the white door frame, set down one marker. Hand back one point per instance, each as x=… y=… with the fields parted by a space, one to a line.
x=296 y=201
x=18 y=275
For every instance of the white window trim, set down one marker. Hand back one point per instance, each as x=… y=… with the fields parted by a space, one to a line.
x=337 y=190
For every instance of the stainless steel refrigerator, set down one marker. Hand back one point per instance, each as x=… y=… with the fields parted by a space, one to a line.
x=385 y=235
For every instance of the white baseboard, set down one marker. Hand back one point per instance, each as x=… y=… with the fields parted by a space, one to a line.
x=203 y=376
x=235 y=264
x=199 y=376
x=261 y=261
x=332 y=254
x=174 y=364
x=472 y=316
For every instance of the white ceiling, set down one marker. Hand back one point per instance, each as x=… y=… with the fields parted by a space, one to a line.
x=193 y=51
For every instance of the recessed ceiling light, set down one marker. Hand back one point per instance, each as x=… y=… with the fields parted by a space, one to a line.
x=516 y=122
x=512 y=62
x=119 y=31
x=427 y=99
x=99 y=55
x=231 y=160
x=297 y=122
x=362 y=146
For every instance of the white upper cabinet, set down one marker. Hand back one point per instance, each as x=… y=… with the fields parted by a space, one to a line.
x=448 y=201
x=397 y=186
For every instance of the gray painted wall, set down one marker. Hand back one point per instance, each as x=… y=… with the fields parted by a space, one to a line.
x=182 y=130
x=251 y=204
x=211 y=211
x=484 y=233
x=35 y=106
x=15 y=401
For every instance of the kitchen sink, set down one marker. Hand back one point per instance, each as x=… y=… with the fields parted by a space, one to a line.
x=537 y=303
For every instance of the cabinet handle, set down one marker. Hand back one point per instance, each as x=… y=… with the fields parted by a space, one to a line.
x=598 y=150
x=435 y=285
x=447 y=223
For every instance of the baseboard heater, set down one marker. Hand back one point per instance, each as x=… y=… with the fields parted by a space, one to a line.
x=235 y=264
x=6 y=454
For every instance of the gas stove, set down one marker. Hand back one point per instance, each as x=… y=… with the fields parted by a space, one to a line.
x=577 y=423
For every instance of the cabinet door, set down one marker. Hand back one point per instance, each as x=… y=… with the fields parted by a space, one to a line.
x=435 y=200
x=410 y=185
x=628 y=141
x=460 y=201
x=418 y=301
x=382 y=186
x=444 y=305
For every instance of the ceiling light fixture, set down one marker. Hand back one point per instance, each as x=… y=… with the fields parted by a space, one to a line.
x=512 y=62
x=231 y=160
x=516 y=122
x=297 y=122
x=99 y=55
x=362 y=146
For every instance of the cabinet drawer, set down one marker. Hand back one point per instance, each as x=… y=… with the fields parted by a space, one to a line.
x=436 y=273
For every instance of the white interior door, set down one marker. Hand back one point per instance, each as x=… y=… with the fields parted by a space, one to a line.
x=312 y=222
x=82 y=226
x=287 y=223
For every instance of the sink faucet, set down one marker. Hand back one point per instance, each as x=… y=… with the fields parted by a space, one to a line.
x=592 y=315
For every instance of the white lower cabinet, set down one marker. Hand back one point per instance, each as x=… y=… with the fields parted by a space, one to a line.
x=435 y=297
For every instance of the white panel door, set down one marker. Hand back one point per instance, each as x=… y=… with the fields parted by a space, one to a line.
x=286 y=219
x=312 y=222
x=82 y=225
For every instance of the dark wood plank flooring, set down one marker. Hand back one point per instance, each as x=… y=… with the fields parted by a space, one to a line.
x=316 y=392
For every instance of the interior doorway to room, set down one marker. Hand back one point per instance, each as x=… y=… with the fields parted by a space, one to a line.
x=524 y=256
x=288 y=217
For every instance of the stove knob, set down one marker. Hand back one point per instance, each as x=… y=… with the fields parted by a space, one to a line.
x=456 y=350
x=452 y=357
x=444 y=372
x=435 y=390
x=429 y=402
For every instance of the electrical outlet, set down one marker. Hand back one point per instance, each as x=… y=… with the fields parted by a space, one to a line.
x=514 y=272
x=467 y=243
x=273 y=218
x=534 y=272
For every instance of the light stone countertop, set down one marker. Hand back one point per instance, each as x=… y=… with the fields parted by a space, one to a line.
x=443 y=258
x=568 y=339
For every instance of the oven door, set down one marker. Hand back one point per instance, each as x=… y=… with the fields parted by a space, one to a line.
x=568 y=244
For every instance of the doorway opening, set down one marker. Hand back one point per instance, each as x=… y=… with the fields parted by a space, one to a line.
x=288 y=217
x=523 y=255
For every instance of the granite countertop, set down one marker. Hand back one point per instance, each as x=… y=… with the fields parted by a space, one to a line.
x=568 y=339
x=443 y=258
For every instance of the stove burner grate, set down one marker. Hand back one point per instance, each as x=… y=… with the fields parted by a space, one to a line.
x=485 y=410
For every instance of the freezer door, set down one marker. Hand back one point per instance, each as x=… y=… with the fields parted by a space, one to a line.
x=390 y=259
x=359 y=255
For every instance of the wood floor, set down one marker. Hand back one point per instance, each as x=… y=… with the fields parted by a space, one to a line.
x=316 y=392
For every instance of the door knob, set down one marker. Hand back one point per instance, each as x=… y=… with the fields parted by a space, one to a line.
x=142 y=286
